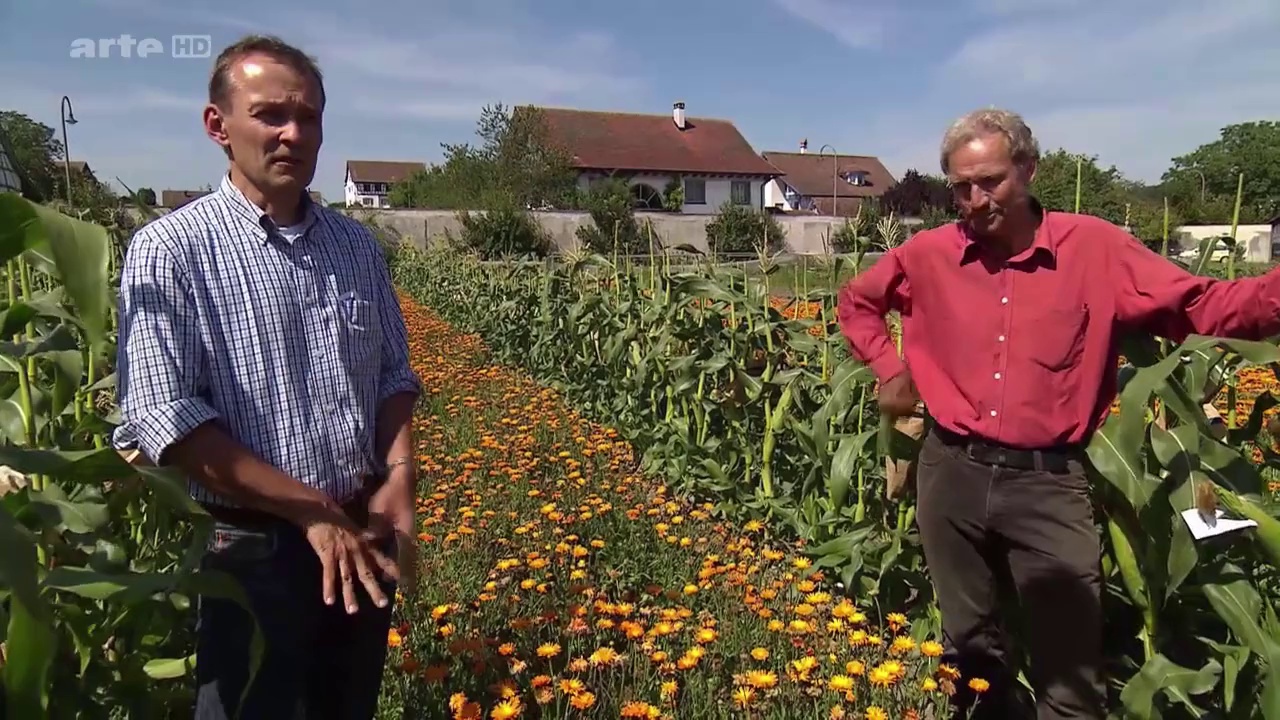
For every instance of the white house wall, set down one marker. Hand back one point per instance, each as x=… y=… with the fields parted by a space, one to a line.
x=719 y=190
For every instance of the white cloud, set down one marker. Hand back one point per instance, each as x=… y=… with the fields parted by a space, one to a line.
x=1136 y=83
x=858 y=25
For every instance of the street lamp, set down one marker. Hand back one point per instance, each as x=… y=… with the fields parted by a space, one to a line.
x=1203 y=183
x=835 y=167
x=68 y=118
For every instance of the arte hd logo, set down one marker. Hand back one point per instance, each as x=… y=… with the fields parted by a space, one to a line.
x=127 y=47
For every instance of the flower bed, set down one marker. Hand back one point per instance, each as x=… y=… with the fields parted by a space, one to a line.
x=556 y=580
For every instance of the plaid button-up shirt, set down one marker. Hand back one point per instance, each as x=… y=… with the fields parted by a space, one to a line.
x=291 y=345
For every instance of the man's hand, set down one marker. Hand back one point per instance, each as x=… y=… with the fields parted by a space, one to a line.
x=898 y=397
x=347 y=554
x=392 y=511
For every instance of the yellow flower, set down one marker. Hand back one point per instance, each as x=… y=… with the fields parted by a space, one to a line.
x=876 y=713
x=582 y=700
x=548 y=650
x=507 y=709
x=743 y=696
x=931 y=649
x=841 y=683
x=979 y=685
x=759 y=654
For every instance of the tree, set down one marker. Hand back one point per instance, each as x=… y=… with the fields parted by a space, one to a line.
x=515 y=163
x=1102 y=190
x=36 y=153
x=1204 y=180
x=917 y=194
x=146 y=196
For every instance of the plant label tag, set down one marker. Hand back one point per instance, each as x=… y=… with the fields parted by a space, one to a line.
x=1221 y=525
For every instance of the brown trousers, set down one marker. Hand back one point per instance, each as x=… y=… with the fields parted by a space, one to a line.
x=984 y=525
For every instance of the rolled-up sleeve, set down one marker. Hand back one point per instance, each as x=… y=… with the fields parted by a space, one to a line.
x=396 y=371
x=161 y=366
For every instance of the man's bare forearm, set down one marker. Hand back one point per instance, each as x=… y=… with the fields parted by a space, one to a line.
x=394 y=436
x=226 y=467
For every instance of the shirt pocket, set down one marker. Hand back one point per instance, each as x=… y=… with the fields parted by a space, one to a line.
x=360 y=333
x=1054 y=337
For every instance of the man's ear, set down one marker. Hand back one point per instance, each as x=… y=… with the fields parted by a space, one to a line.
x=215 y=126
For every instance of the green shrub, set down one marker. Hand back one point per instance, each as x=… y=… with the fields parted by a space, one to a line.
x=614 y=227
x=504 y=231
x=740 y=230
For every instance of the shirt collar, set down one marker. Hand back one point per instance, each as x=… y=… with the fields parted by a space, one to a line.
x=1044 y=245
x=264 y=228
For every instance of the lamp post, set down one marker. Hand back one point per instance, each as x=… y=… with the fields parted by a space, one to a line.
x=68 y=118
x=835 y=175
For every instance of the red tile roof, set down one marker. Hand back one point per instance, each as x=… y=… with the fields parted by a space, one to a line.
x=641 y=142
x=811 y=174
x=382 y=171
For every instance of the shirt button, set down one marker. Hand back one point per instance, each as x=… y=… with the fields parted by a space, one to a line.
x=997 y=376
x=1004 y=301
x=1000 y=339
x=993 y=413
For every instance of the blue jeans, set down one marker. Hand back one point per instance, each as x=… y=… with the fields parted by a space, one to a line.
x=318 y=661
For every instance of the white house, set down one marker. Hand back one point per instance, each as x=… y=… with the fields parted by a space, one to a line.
x=708 y=158
x=368 y=182
x=824 y=184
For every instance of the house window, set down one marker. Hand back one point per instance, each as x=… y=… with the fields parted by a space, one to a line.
x=856 y=177
x=695 y=191
x=740 y=192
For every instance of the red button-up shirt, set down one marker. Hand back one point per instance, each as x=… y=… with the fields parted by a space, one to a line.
x=1023 y=352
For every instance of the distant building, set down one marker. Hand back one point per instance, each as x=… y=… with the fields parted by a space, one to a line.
x=368 y=183
x=825 y=183
x=708 y=158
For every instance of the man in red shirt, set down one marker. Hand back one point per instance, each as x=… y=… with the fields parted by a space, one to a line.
x=1011 y=318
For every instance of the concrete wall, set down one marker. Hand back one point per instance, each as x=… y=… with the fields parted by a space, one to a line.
x=804 y=234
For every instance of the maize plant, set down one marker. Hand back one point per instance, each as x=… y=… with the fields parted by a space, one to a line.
x=100 y=565
x=735 y=396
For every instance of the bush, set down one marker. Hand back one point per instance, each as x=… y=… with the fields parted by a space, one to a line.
x=504 y=231
x=614 y=227
x=740 y=230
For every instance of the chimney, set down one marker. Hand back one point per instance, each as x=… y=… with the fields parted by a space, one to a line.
x=804 y=146
x=677 y=114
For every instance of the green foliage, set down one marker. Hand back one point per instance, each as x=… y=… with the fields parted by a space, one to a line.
x=1252 y=148
x=918 y=194
x=101 y=563
x=36 y=153
x=740 y=230
x=514 y=164
x=673 y=195
x=504 y=231
x=146 y=196
x=762 y=411
x=614 y=229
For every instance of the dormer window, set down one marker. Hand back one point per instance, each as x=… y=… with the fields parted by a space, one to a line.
x=857 y=178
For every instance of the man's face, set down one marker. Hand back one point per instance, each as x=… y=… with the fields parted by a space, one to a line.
x=987 y=184
x=271 y=125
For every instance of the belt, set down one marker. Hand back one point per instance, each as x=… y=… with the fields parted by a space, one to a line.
x=1050 y=459
x=356 y=508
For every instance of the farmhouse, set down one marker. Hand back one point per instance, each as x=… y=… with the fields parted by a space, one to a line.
x=368 y=183
x=824 y=183
x=708 y=159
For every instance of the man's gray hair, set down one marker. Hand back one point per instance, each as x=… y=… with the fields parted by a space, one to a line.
x=991 y=121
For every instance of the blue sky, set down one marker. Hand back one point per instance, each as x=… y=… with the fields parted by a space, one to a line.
x=1133 y=81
